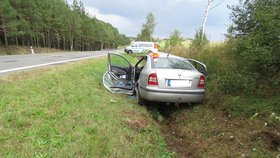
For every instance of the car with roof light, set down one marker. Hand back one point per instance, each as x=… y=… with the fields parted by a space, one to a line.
x=141 y=47
x=158 y=77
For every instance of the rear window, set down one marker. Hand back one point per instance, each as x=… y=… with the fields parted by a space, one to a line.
x=172 y=63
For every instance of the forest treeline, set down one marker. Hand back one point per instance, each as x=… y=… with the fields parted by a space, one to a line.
x=55 y=24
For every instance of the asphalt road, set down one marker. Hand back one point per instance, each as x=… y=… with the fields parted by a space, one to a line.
x=13 y=63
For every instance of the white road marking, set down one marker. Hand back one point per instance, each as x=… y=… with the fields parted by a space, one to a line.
x=40 y=65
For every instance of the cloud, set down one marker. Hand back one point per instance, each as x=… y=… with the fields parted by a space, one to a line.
x=172 y=3
x=120 y=22
x=184 y=15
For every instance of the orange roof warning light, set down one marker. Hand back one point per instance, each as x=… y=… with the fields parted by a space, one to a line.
x=155 y=46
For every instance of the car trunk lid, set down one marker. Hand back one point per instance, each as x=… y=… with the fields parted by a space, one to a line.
x=177 y=78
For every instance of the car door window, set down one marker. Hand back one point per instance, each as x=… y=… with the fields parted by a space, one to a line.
x=118 y=77
x=119 y=66
x=141 y=62
x=139 y=67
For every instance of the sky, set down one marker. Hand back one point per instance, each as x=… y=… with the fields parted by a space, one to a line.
x=128 y=16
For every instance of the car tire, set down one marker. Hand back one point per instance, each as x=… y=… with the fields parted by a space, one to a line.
x=129 y=52
x=139 y=99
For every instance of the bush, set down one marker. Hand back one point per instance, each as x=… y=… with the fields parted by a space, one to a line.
x=255 y=37
x=233 y=82
x=175 y=39
x=254 y=59
x=199 y=42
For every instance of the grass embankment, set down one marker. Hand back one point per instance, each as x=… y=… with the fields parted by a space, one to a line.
x=237 y=119
x=15 y=50
x=65 y=111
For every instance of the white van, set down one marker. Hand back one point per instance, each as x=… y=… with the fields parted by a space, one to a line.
x=141 y=47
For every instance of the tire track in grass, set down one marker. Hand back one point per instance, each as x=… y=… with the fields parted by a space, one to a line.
x=177 y=140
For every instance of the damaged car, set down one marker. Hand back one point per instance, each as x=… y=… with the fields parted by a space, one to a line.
x=158 y=77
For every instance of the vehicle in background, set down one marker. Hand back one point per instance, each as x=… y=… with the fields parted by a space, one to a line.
x=157 y=77
x=141 y=47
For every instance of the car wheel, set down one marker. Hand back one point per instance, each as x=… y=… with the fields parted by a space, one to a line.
x=139 y=99
x=129 y=52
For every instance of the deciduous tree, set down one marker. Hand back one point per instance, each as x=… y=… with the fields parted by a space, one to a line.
x=175 y=38
x=147 y=29
x=255 y=36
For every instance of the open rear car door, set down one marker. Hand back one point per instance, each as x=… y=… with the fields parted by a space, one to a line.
x=119 y=76
x=199 y=66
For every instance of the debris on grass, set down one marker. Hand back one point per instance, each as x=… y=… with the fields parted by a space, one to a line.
x=113 y=101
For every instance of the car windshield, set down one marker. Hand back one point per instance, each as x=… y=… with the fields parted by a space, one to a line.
x=172 y=63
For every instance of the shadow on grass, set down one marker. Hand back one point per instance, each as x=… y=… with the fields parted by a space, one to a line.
x=166 y=110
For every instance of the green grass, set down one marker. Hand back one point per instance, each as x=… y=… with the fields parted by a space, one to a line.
x=65 y=111
x=249 y=106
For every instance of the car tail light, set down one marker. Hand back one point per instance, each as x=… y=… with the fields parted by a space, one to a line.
x=201 y=82
x=152 y=80
x=155 y=55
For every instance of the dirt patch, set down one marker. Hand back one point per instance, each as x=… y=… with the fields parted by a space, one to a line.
x=178 y=141
x=129 y=113
x=137 y=124
x=271 y=139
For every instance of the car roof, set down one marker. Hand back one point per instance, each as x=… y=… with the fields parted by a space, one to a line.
x=163 y=54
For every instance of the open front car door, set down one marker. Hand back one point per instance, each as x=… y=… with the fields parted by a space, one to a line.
x=118 y=78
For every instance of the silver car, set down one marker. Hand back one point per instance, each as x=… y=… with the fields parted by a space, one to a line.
x=159 y=77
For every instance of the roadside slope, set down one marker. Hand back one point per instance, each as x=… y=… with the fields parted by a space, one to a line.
x=65 y=111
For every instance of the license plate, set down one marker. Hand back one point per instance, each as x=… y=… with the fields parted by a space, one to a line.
x=179 y=83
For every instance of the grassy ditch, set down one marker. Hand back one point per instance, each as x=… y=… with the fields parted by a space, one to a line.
x=240 y=116
x=64 y=111
x=202 y=131
x=237 y=119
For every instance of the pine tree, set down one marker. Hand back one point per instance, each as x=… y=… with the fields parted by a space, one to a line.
x=8 y=25
x=54 y=24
